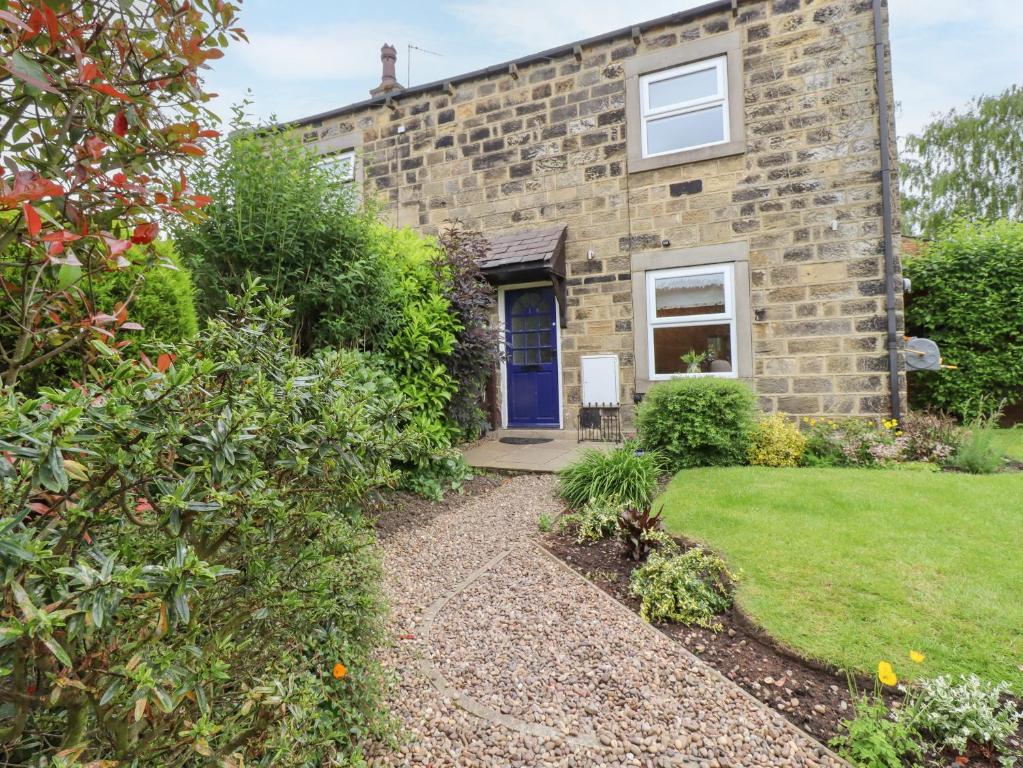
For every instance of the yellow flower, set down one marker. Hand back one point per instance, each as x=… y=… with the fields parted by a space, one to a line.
x=917 y=657
x=886 y=674
x=340 y=670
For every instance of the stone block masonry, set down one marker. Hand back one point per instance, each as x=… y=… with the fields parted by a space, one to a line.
x=545 y=144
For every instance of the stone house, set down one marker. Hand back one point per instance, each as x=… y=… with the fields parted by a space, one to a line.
x=706 y=194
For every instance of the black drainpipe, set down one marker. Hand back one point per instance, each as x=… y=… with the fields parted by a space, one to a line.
x=888 y=212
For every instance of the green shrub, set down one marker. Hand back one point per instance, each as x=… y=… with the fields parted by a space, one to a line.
x=930 y=437
x=188 y=576
x=597 y=520
x=825 y=444
x=424 y=331
x=698 y=422
x=477 y=344
x=968 y=297
x=280 y=213
x=852 y=443
x=952 y=713
x=619 y=475
x=776 y=442
x=163 y=304
x=690 y=588
x=434 y=471
x=872 y=739
x=978 y=453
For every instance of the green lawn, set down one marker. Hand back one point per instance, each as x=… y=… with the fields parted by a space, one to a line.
x=1010 y=441
x=854 y=566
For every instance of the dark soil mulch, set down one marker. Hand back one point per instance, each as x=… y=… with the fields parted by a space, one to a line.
x=808 y=694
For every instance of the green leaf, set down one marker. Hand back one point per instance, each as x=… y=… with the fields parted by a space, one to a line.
x=68 y=275
x=27 y=70
x=163 y=700
x=14 y=551
x=58 y=651
x=109 y=693
x=181 y=606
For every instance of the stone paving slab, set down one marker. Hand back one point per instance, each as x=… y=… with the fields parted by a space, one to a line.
x=509 y=658
x=552 y=456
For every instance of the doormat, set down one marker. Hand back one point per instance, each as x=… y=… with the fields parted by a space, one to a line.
x=525 y=440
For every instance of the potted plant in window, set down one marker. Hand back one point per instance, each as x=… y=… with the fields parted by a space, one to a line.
x=693 y=360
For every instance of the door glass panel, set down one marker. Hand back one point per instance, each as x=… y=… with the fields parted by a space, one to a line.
x=693 y=129
x=547 y=356
x=689 y=295
x=518 y=323
x=519 y=357
x=714 y=342
x=530 y=304
x=678 y=90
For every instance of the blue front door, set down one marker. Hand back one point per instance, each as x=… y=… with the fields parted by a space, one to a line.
x=532 y=348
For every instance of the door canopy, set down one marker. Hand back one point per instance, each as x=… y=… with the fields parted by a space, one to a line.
x=529 y=255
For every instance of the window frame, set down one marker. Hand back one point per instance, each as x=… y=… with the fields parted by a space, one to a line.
x=648 y=115
x=330 y=158
x=729 y=317
x=727 y=46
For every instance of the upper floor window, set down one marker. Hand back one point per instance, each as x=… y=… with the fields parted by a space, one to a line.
x=343 y=161
x=685 y=103
x=685 y=108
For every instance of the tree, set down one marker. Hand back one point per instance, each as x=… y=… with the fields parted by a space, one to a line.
x=968 y=297
x=279 y=212
x=101 y=109
x=966 y=165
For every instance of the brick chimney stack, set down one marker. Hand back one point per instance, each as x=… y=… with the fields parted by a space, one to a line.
x=389 y=82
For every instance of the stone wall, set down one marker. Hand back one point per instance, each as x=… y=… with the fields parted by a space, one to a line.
x=546 y=144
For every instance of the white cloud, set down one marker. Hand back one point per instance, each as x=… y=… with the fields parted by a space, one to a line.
x=1000 y=14
x=350 y=51
x=540 y=24
x=947 y=52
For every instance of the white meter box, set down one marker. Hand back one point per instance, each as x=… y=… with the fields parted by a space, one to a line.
x=600 y=380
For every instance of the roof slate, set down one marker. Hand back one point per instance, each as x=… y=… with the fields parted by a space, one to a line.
x=531 y=246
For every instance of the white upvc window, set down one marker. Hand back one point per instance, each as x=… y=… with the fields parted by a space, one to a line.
x=685 y=108
x=691 y=322
x=343 y=161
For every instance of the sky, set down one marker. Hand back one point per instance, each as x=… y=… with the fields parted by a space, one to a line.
x=310 y=56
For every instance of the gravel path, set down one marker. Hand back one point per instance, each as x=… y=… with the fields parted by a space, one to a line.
x=505 y=657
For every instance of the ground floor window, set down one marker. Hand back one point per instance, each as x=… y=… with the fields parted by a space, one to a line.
x=691 y=321
x=692 y=313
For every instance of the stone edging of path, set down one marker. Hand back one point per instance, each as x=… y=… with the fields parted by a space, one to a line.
x=681 y=649
x=468 y=703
